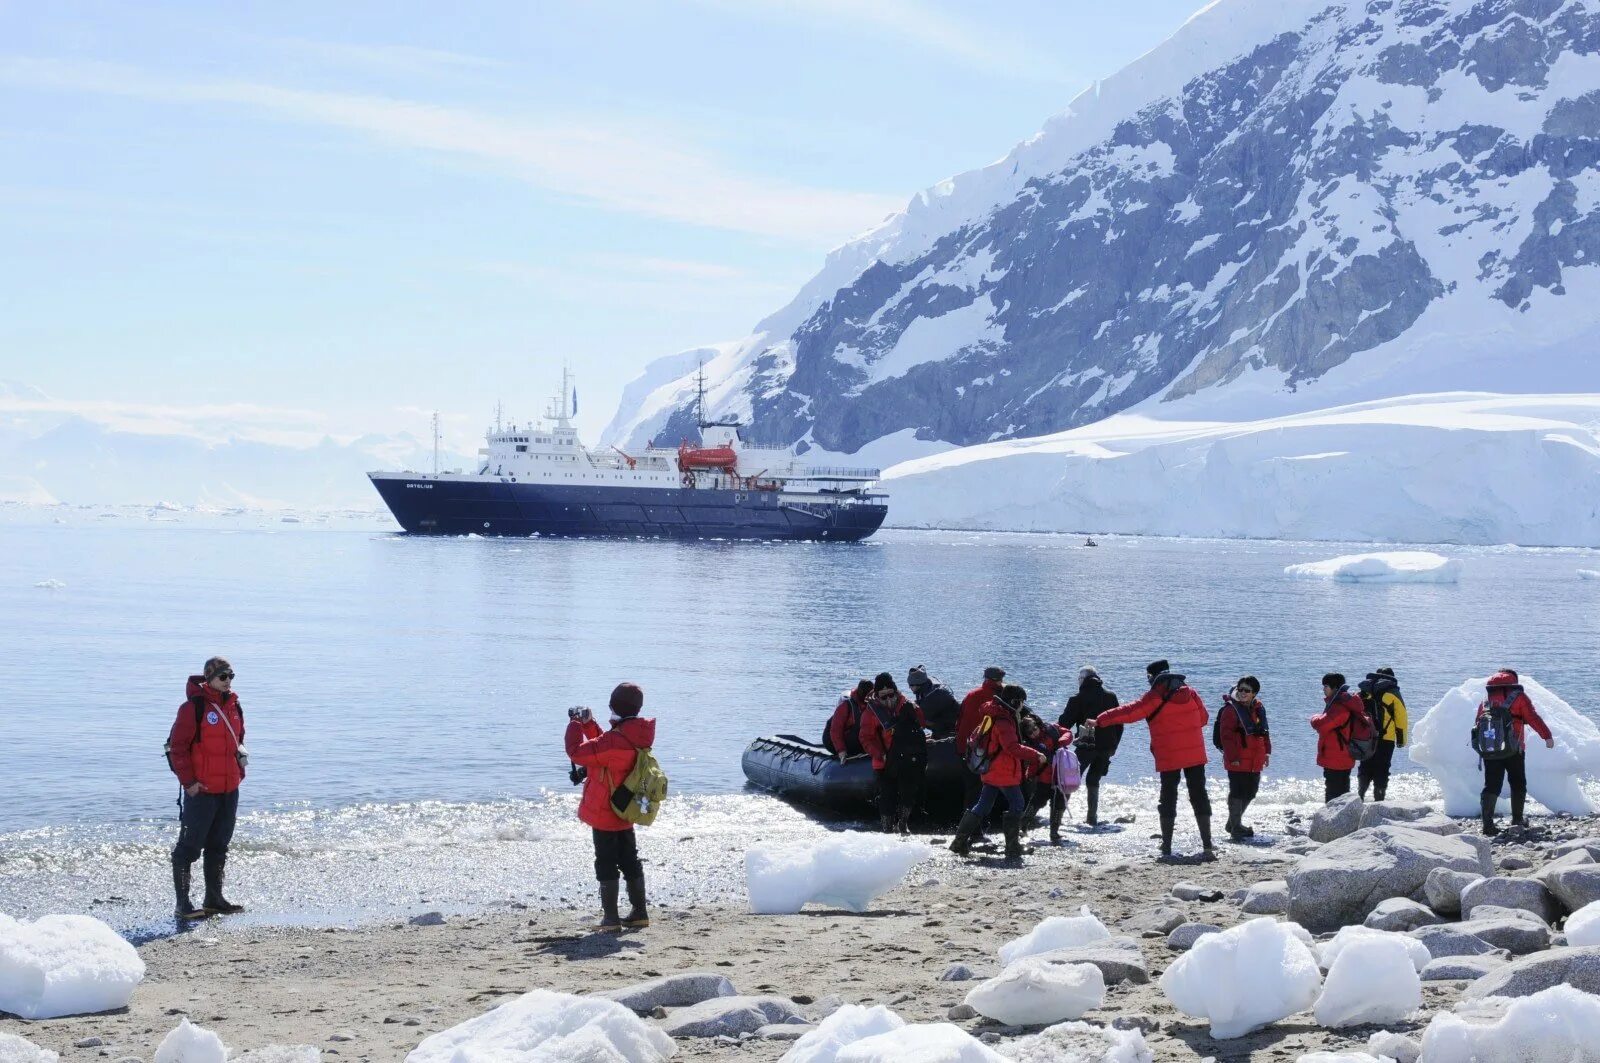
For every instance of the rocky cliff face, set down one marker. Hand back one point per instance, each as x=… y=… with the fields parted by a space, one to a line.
x=1281 y=189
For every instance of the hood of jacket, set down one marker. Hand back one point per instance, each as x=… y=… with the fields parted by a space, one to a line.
x=640 y=730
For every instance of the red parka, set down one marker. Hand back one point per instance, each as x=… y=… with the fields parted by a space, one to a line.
x=1241 y=750
x=1332 y=725
x=972 y=710
x=609 y=756
x=844 y=727
x=1504 y=685
x=1178 y=731
x=1050 y=739
x=208 y=756
x=877 y=740
x=1012 y=758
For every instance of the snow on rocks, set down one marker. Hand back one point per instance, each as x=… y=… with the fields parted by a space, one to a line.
x=1244 y=978
x=14 y=1049
x=847 y=870
x=1391 y=566
x=1443 y=887
x=731 y=1016
x=1555 y=1023
x=938 y=1042
x=1373 y=979
x=670 y=991
x=1266 y=898
x=191 y=1044
x=1056 y=932
x=1523 y=894
x=1034 y=992
x=1577 y=967
x=1401 y=914
x=1439 y=743
x=1342 y=882
x=64 y=965
x=1080 y=1042
x=544 y=1025
x=847 y=1025
x=1328 y=952
x=1583 y=926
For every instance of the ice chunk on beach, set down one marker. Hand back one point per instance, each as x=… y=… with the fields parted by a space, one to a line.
x=1393 y=566
x=1341 y=1057
x=1244 y=978
x=1440 y=743
x=939 y=1042
x=64 y=965
x=1033 y=991
x=548 y=1027
x=847 y=871
x=1583 y=927
x=1080 y=1042
x=191 y=1044
x=845 y=1026
x=1056 y=932
x=1557 y=1023
x=1373 y=980
x=14 y=1049
x=1328 y=952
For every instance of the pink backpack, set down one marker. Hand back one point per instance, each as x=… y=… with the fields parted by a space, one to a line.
x=1065 y=766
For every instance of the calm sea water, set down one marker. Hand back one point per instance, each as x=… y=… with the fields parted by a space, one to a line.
x=411 y=678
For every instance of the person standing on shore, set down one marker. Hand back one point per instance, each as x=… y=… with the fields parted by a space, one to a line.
x=1242 y=735
x=1008 y=759
x=608 y=757
x=1046 y=738
x=205 y=750
x=1336 y=725
x=973 y=708
x=892 y=734
x=842 y=736
x=1095 y=746
x=1177 y=719
x=1380 y=696
x=1497 y=735
x=939 y=707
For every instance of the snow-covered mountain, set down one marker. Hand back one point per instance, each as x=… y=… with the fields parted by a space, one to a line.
x=1290 y=204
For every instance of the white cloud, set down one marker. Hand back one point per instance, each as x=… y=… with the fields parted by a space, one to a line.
x=605 y=164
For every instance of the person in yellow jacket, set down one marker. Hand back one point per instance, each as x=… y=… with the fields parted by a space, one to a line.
x=1380 y=695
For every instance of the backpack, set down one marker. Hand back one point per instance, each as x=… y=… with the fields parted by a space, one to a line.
x=1494 y=732
x=910 y=744
x=639 y=797
x=980 y=757
x=1068 y=773
x=1372 y=692
x=1360 y=737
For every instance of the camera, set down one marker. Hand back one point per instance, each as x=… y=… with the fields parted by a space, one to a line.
x=579 y=712
x=578 y=774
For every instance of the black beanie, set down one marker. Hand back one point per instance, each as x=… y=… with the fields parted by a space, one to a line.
x=1155 y=668
x=994 y=672
x=884 y=681
x=627 y=700
x=1333 y=680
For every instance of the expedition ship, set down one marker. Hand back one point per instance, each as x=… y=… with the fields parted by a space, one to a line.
x=541 y=480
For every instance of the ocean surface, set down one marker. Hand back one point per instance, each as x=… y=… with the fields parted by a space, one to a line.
x=406 y=698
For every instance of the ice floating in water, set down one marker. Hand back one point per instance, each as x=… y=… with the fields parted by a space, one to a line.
x=1079 y=1042
x=1033 y=991
x=1588 y=573
x=543 y=1026
x=1556 y=1023
x=1244 y=978
x=848 y=870
x=191 y=1044
x=1373 y=980
x=1056 y=932
x=1439 y=742
x=14 y=1049
x=64 y=965
x=51 y=585
x=1583 y=926
x=1328 y=952
x=1394 y=566
x=845 y=1026
x=939 y=1042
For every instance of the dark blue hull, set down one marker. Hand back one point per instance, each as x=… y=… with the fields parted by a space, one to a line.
x=426 y=506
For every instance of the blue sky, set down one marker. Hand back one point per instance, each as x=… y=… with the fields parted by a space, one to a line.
x=338 y=215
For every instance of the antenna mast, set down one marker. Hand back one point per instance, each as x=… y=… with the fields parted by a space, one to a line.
x=436 y=442
x=700 y=394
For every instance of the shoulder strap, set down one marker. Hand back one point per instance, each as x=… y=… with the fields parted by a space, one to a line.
x=198 y=704
x=1164 y=699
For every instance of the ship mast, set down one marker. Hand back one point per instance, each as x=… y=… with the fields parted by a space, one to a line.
x=436 y=442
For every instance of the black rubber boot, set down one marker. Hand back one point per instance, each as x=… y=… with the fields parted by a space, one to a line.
x=966 y=830
x=1488 y=804
x=886 y=823
x=637 y=916
x=1092 y=814
x=1244 y=831
x=1517 y=801
x=1379 y=790
x=1361 y=788
x=1207 y=850
x=186 y=911
x=609 y=919
x=1168 y=821
x=214 y=868
x=1012 y=826
x=1055 y=824
x=902 y=824
x=1235 y=810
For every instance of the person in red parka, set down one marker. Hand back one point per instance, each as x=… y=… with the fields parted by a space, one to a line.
x=1246 y=746
x=1333 y=726
x=1046 y=738
x=1505 y=694
x=972 y=711
x=842 y=736
x=893 y=734
x=997 y=732
x=205 y=750
x=1177 y=719
x=607 y=758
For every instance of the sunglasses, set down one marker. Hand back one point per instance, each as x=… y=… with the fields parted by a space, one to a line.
x=224 y=675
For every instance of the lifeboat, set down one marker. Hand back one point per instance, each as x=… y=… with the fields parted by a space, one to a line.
x=723 y=458
x=803 y=771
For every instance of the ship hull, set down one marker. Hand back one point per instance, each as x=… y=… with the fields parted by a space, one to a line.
x=424 y=505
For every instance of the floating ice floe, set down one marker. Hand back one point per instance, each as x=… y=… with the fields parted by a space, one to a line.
x=1244 y=978
x=544 y=1026
x=1328 y=952
x=1583 y=927
x=1588 y=573
x=1557 y=1023
x=191 y=1044
x=848 y=871
x=939 y=1042
x=1394 y=566
x=845 y=1026
x=1056 y=932
x=51 y=585
x=64 y=965
x=1373 y=980
x=1080 y=1042
x=14 y=1049
x=1439 y=742
x=1034 y=991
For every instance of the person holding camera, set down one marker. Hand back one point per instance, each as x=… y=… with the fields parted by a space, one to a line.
x=600 y=761
x=205 y=750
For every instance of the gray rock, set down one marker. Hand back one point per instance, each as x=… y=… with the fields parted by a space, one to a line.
x=1156 y=922
x=1455 y=968
x=1579 y=968
x=671 y=991
x=1519 y=936
x=1523 y=894
x=342 y=1036
x=1513 y=863
x=1575 y=887
x=1442 y=941
x=428 y=919
x=1346 y=879
x=1182 y=938
x=1411 y=814
x=1397 y=1046
x=826 y=1006
x=1576 y=858
x=1188 y=891
x=1577 y=845
x=1266 y=898
x=402 y=1020
x=1401 y=914
x=784 y=1031
x=730 y=1016
x=961 y=1012
x=89 y=1042
x=1442 y=889
x=1119 y=959
x=1337 y=818
x=957 y=972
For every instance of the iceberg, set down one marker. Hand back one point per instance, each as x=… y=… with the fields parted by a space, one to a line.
x=1034 y=991
x=547 y=1027
x=64 y=965
x=848 y=871
x=1557 y=1023
x=1440 y=743
x=1394 y=566
x=1373 y=980
x=1056 y=932
x=1244 y=978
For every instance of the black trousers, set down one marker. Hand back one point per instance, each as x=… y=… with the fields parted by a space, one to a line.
x=1496 y=772
x=1195 y=778
x=900 y=786
x=1243 y=785
x=207 y=826
x=616 y=852
x=1374 y=770
x=1096 y=767
x=1335 y=783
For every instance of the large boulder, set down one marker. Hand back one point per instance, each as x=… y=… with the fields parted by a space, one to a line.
x=1183 y=938
x=1266 y=898
x=1156 y=922
x=731 y=1016
x=1514 y=930
x=671 y=991
x=1576 y=858
x=1523 y=894
x=1578 y=968
x=1401 y=914
x=1442 y=889
x=1345 y=880
x=1119 y=959
x=1584 y=845
x=1413 y=814
x=1444 y=941
x=1337 y=818
x=1575 y=887
x=1462 y=968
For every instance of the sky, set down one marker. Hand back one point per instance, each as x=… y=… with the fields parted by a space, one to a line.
x=339 y=217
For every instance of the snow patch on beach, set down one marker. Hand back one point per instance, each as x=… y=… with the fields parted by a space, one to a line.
x=1244 y=978
x=1440 y=743
x=1395 y=566
x=1557 y=1023
x=64 y=965
x=848 y=870
x=542 y=1026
